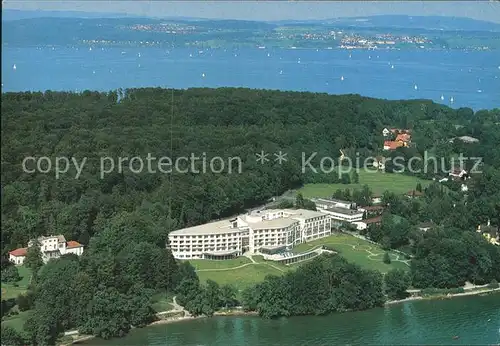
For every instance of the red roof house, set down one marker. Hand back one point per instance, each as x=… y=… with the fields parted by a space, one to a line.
x=72 y=244
x=392 y=145
x=19 y=252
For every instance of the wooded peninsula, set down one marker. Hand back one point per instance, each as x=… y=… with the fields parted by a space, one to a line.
x=124 y=217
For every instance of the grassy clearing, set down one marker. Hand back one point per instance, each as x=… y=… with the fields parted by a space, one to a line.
x=162 y=305
x=17 y=321
x=11 y=291
x=355 y=250
x=377 y=181
x=223 y=264
x=240 y=278
x=162 y=302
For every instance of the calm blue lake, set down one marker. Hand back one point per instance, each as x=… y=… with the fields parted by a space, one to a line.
x=456 y=78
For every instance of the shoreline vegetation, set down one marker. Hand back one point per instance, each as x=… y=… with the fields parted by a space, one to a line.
x=235 y=312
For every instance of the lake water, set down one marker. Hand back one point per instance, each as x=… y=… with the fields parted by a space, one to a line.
x=475 y=320
x=471 y=78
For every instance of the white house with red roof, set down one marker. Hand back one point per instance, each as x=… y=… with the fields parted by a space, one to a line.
x=53 y=246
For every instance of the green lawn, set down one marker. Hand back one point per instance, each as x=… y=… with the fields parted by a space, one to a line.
x=10 y=291
x=162 y=305
x=361 y=252
x=16 y=321
x=377 y=181
x=355 y=250
x=162 y=302
x=200 y=264
x=240 y=278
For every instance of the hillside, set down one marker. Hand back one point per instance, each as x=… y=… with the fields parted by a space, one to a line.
x=73 y=29
x=71 y=165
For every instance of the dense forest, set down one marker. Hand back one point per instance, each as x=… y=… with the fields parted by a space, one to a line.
x=123 y=218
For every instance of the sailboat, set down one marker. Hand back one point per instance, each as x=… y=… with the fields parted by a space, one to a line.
x=452 y=99
x=392 y=66
x=281 y=71
x=14 y=67
x=350 y=56
x=268 y=54
x=415 y=87
x=442 y=97
x=203 y=75
x=342 y=78
x=90 y=49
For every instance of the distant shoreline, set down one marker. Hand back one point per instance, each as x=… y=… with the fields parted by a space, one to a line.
x=444 y=296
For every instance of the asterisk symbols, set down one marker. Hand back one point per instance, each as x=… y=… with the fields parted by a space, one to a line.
x=262 y=157
x=280 y=157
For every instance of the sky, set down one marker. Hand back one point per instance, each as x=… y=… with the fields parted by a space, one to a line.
x=270 y=10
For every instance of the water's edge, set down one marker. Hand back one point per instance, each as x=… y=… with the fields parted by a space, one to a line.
x=80 y=339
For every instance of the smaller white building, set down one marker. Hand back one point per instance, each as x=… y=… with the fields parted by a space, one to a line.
x=364 y=224
x=50 y=246
x=343 y=214
x=323 y=204
x=459 y=174
x=379 y=163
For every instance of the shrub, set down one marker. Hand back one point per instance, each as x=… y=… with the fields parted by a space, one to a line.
x=25 y=301
x=437 y=291
x=10 y=274
x=493 y=284
x=387 y=258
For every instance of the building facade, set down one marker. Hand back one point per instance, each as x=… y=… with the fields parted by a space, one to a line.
x=339 y=211
x=50 y=247
x=264 y=231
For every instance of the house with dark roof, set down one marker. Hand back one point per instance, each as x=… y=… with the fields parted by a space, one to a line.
x=414 y=194
x=373 y=210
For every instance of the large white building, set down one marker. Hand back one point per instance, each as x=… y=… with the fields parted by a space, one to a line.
x=51 y=247
x=257 y=232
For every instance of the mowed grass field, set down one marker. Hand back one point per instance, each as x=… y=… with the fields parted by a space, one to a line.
x=359 y=251
x=377 y=181
x=240 y=278
x=209 y=264
x=242 y=272
x=10 y=291
x=17 y=321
